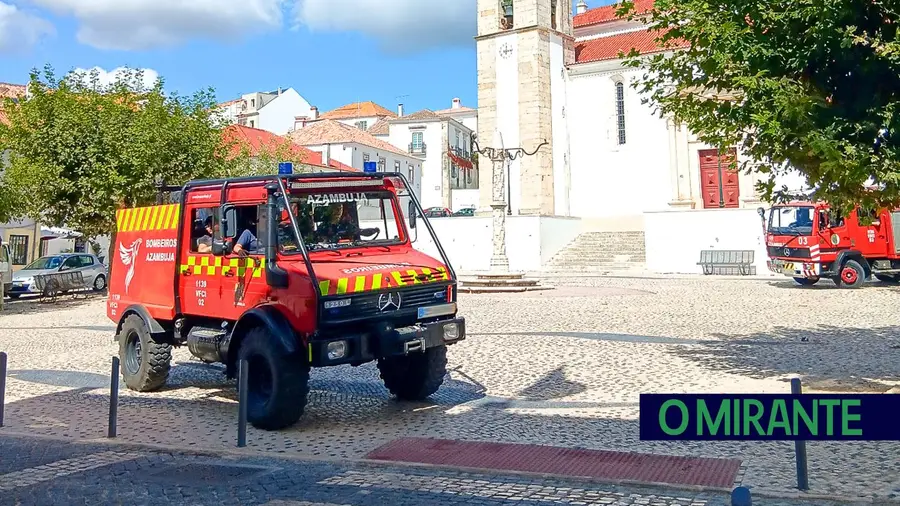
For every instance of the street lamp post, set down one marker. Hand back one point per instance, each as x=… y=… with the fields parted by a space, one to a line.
x=500 y=157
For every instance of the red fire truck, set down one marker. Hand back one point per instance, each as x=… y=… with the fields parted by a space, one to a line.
x=809 y=241
x=287 y=272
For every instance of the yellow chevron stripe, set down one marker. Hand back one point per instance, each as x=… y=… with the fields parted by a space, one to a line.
x=174 y=223
x=323 y=287
x=376 y=281
x=145 y=223
x=161 y=218
x=342 y=286
x=133 y=220
x=397 y=278
x=120 y=217
x=360 y=284
x=415 y=275
x=154 y=215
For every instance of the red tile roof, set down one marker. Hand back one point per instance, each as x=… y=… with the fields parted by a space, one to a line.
x=359 y=110
x=607 y=13
x=3 y=119
x=257 y=140
x=329 y=131
x=607 y=48
x=8 y=90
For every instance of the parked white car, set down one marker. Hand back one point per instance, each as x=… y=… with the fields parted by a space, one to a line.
x=91 y=268
x=5 y=268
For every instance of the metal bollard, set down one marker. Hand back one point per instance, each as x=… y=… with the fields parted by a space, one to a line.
x=113 y=398
x=740 y=496
x=242 y=403
x=800 y=446
x=2 y=385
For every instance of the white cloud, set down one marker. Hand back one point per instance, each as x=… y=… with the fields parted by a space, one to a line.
x=398 y=25
x=104 y=78
x=146 y=24
x=20 y=30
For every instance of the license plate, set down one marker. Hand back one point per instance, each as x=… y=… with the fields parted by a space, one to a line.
x=439 y=310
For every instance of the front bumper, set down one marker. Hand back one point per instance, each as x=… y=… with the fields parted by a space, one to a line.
x=20 y=288
x=387 y=341
x=795 y=268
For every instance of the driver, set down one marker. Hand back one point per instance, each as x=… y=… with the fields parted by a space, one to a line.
x=340 y=226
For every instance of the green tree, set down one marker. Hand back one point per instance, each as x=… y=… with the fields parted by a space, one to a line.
x=79 y=150
x=808 y=84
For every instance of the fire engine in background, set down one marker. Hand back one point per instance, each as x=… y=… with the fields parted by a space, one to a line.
x=809 y=241
x=287 y=272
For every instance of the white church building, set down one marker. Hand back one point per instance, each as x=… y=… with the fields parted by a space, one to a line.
x=613 y=169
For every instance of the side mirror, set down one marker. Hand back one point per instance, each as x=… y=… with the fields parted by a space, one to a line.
x=221 y=248
x=229 y=222
x=761 y=212
x=412 y=214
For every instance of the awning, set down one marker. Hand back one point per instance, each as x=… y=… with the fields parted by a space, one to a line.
x=460 y=162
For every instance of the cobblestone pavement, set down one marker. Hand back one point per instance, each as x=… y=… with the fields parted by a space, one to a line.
x=561 y=367
x=38 y=472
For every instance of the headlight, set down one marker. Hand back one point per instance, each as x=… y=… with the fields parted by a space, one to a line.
x=336 y=350
x=451 y=332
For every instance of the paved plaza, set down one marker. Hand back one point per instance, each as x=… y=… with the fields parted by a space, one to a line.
x=561 y=367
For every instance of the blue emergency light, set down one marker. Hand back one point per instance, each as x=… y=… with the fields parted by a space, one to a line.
x=370 y=166
x=285 y=168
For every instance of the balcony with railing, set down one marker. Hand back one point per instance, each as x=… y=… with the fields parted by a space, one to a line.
x=462 y=153
x=418 y=149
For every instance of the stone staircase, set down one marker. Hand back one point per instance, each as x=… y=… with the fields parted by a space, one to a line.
x=599 y=253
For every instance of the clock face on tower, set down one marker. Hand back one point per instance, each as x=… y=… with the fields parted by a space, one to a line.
x=505 y=51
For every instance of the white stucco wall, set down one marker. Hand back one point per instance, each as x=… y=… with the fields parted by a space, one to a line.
x=609 y=180
x=674 y=239
x=463 y=199
x=507 y=93
x=278 y=115
x=559 y=110
x=531 y=241
x=401 y=136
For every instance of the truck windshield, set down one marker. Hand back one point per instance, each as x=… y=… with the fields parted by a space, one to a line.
x=791 y=220
x=330 y=221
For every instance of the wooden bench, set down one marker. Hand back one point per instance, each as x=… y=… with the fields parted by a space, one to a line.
x=52 y=285
x=727 y=262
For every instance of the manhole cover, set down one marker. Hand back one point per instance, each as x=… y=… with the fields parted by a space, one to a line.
x=207 y=473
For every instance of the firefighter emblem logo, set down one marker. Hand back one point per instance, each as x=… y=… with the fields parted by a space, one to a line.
x=835 y=239
x=128 y=256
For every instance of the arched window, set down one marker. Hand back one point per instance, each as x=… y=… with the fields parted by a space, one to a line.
x=620 y=112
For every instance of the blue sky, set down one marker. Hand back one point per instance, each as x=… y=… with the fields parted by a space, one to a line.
x=331 y=51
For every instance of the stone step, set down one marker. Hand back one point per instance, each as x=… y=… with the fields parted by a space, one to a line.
x=503 y=289
x=524 y=283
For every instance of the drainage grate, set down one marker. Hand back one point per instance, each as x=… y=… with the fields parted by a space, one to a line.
x=205 y=473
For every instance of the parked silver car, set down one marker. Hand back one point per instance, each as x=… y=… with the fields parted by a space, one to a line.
x=91 y=268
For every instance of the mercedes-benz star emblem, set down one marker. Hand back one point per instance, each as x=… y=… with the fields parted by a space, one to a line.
x=787 y=252
x=388 y=300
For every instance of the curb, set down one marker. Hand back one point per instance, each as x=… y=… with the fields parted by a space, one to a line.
x=235 y=452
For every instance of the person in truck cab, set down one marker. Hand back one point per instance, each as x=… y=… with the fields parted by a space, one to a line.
x=247 y=242
x=204 y=243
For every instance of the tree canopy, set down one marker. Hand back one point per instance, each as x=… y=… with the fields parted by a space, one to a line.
x=79 y=149
x=808 y=84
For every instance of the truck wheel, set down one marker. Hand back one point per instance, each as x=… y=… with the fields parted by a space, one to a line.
x=806 y=281
x=887 y=278
x=852 y=275
x=145 y=360
x=278 y=383
x=414 y=377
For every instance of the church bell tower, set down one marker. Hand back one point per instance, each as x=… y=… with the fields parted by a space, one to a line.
x=524 y=48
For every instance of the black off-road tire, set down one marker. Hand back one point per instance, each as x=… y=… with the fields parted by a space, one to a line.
x=806 y=281
x=852 y=275
x=417 y=376
x=891 y=279
x=145 y=359
x=278 y=383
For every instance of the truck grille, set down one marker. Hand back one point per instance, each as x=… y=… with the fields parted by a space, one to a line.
x=384 y=303
x=779 y=251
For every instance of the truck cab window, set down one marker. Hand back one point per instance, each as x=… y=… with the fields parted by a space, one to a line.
x=250 y=230
x=333 y=221
x=204 y=223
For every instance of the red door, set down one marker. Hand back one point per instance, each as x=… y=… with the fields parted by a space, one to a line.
x=716 y=190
